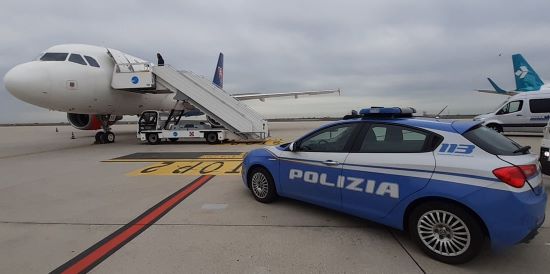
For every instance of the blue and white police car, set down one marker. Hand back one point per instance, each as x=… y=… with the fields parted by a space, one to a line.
x=451 y=185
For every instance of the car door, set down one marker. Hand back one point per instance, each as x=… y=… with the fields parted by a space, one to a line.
x=389 y=163
x=513 y=115
x=311 y=172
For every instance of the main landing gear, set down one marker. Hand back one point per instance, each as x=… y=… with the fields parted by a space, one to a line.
x=106 y=136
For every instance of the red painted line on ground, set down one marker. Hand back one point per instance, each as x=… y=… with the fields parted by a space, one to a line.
x=94 y=255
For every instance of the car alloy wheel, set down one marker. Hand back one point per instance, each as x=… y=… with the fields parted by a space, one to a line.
x=262 y=185
x=443 y=233
x=259 y=185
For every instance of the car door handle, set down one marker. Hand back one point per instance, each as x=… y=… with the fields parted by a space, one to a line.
x=519 y=114
x=330 y=163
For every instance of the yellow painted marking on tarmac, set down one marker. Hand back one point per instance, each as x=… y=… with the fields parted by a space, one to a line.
x=169 y=160
x=240 y=156
x=193 y=167
x=268 y=142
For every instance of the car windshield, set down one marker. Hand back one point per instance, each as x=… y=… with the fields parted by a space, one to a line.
x=492 y=141
x=499 y=106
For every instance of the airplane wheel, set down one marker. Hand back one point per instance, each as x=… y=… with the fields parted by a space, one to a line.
x=109 y=137
x=98 y=137
x=153 y=138
x=212 y=137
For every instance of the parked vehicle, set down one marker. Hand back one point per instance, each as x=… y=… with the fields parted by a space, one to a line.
x=528 y=111
x=155 y=126
x=382 y=166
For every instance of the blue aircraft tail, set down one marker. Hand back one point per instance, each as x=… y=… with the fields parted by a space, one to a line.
x=495 y=86
x=526 y=77
x=218 y=74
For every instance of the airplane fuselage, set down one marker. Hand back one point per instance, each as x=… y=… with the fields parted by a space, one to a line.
x=80 y=88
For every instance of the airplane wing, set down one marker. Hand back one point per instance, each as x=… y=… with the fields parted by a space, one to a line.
x=497 y=90
x=295 y=94
x=508 y=93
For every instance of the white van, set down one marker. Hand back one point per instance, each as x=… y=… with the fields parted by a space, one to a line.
x=527 y=111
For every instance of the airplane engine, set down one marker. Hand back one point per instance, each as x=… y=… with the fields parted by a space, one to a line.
x=87 y=121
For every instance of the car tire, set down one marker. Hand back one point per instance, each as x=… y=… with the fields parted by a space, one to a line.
x=211 y=137
x=495 y=127
x=262 y=185
x=152 y=138
x=456 y=243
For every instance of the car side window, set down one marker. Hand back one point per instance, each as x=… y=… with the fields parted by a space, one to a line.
x=76 y=58
x=381 y=138
x=331 y=139
x=511 y=107
x=539 y=105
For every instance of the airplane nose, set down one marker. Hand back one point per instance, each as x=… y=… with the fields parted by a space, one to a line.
x=28 y=82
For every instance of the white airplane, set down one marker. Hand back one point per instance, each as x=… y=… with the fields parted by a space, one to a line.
x=76 y=79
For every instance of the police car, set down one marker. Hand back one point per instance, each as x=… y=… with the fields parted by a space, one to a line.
x=451 y=185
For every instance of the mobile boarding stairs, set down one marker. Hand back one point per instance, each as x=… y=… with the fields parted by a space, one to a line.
x=245 y=123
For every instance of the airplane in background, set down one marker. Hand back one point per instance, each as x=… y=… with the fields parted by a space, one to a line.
x=77 y=79
x=527 y=79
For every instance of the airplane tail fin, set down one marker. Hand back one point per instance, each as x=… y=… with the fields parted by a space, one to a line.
x=495 y=86
x=218 y=74
x=526 y=77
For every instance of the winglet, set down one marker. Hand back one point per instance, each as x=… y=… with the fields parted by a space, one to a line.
x=218 y=74
x=495 y=86
x=526 y=77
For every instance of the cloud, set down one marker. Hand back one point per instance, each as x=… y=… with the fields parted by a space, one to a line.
x=422 y=53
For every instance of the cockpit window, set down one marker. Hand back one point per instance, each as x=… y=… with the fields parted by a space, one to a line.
x=76 y=58
x=92 y=61
x=54 y=56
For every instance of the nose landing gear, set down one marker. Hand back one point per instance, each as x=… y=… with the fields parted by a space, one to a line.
x=106 y=136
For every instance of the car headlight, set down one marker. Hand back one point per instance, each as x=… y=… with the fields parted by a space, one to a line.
x=547 y=154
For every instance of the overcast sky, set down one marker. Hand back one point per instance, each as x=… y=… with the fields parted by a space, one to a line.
x=426 y=54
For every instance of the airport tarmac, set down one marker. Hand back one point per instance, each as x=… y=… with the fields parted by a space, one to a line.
x=67 y=205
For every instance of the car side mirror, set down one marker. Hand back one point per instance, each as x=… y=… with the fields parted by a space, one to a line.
x=292 y=147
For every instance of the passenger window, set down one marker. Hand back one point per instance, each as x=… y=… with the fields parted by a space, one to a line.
x=76 y=58
x=92 y=61
x=380 y=133
x=332 y=139
x=539 y=105
x=393 y=139
x=54 y=56
x=511 y=107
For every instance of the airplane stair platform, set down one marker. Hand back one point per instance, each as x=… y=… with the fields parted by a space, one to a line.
x=213 y=101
